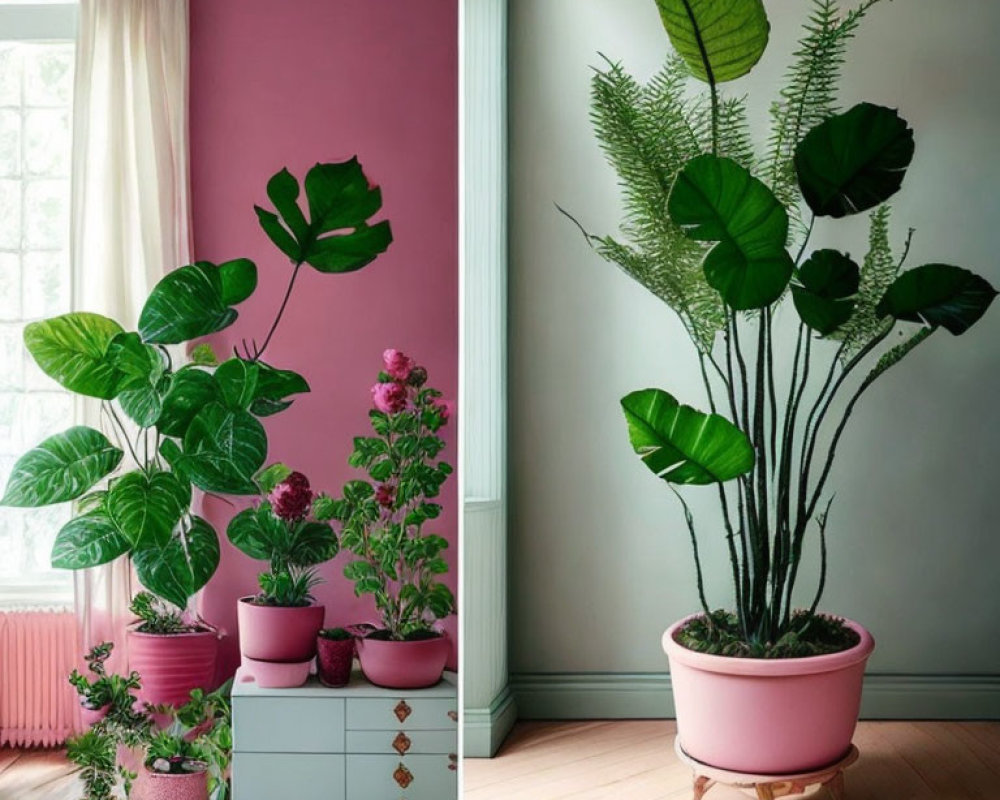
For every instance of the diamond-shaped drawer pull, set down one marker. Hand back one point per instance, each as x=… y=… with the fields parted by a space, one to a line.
x=402 y=710
x=401 y=743
x=453 y=716
x=402 y=776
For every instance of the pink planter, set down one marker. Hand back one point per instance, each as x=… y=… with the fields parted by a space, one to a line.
x=403 y=665
x=91 y=716
x=275 y=674
x=171 y=665
x=334 y=659
x=767 y=716
x=278 y=633
x=160 y=786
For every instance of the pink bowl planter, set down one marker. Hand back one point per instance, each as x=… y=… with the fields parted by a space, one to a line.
x=275 y=674
x=767 y=716
x=91 y=716
x=161 y=786
x=334 y=659
x=278 y=633
x=403 y=665
x=172 y=665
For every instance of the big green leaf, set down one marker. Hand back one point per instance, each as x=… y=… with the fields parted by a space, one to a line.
x=854 y=161
x=195 y=301
x=254 y=535
x=146 y=509
x=87 y=541
x=717 y=200
x=273 y=387
x=190 y=391
x=312 y=543
x=73 y=350
x=338 y=236
x=237 y=381
x=61 y=468
x=183 y=565
x=938 y=294
x=223 y=449
x=827 y=282
x=720 y=40
x=682 y=445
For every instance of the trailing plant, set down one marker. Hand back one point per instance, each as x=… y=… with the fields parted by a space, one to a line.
x=186 y=426
x=708 y=228
x=279 y=530
x=104 y=689
x=382 y=519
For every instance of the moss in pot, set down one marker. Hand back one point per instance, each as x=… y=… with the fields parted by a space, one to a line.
x=721 y=233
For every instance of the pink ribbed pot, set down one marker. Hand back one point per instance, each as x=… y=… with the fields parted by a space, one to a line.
x=403 y=665
x=171 y=665
x=161 y=786
x=278 y=633
x=766 y=716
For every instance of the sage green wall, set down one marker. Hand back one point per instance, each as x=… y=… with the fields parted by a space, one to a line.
x=599 y=556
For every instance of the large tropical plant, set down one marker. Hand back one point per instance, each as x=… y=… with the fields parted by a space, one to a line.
x=721 y=234
x=184 y=426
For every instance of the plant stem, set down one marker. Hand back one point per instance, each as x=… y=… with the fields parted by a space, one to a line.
x=258 y=352
x=697 y=559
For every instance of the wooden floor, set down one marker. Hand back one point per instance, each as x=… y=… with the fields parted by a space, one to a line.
x=635 y=761
x=37 y=775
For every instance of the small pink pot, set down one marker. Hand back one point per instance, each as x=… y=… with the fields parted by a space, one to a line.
x=334 y=659
x=171 y=665
x=275 y=674
x=767 y=716
x=278 y=633
x=160 y=786
x=403 y=665
x=91 y=716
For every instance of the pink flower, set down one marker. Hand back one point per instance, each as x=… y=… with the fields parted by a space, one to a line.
x=290 y=499
x=397 y=364
x=385 y=495
x=443 y=407
x=389 y=398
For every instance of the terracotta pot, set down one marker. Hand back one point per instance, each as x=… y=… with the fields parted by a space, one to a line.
x=403 y=665
x=278 y=633
x=161 y=786
x=91 y=716
x=767 y=716
x=275 y=674
x=171 y=665
x=334 y=659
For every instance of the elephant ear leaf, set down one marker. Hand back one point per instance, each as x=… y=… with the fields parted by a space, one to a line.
x=179 y=568
x=682 y=445
x=938 y=295
x=720 y=40
x=72 y=349
x=827 y=282
x=854 y=161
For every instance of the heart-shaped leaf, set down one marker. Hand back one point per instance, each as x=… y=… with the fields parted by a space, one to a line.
x=312 y=543
x=827 y=282
x=72 y=349
x=146 y=509
x=87 y=541
x=854 y=161
x=682 y=445
x=223 y=449
x=190 y=391
x=273 y=386
x=715 y=199
x=144 y=404
x=61 y=468
x=938 y=294
x=183 y=565
x=237 y=380
x=720 y=40
x=253 y=538
x=239 y=279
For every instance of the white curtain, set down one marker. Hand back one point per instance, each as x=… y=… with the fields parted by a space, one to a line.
x=130 y=211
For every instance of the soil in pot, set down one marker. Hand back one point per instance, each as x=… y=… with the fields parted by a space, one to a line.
x=278 y=633
x=171 y=665
x=415 y=663
x=334 y=659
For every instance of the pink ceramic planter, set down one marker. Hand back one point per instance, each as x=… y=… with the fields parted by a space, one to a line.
x=334 y=659
x=275 y=674
x=278 y=633
x=767 y=716
x=159 y=786
x=91 y=716
x=172 y=665
x=403 y=665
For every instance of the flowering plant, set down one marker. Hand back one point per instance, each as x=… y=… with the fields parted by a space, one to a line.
x=382 y=519
x=279 y=530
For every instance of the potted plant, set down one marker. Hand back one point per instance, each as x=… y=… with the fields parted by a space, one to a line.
x=382 y=524
x=195 y=425
x=98 y=695
x=334 y=656
x=281 y=621
x=723 y=237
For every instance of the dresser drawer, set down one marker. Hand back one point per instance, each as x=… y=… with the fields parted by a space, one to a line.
x=288 y=725
x=392 y=778
x=403 y=742
x=302 y=776
x=402 y=712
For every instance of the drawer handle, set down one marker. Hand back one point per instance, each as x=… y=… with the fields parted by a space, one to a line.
x=402 y=776
x=453 y=716
x=402 y=711
x=401 y=743
x=452 y=759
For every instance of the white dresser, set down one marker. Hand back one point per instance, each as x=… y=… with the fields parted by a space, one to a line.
x=360 y=742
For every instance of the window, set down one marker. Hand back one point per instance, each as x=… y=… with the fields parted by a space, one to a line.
x=36 y=88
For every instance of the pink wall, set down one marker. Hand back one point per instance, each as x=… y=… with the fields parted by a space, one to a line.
x=290 y=84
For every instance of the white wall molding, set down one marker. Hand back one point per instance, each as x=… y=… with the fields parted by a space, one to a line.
x=486 y=700
x=39 y=22
x=610 y=695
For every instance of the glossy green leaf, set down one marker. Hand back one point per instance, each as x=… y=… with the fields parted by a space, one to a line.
x=716 y=200
x=312 y=543
x=351 y=251
x=183 y=565
x=144 y=404
x=283 y=191
x=61 y=468
x=203 y=355
x=137 y=362
x=720 y=40
x=939 y=295
x=682 y=445
x=72 y=349
x=827 y=282
x=237 y=380
x=223 y=449
x=854 y=161
x=247 y=533
x=273 y=386
x=87 y=541
x=270 y=223
x=146 y=509
x=190 y=391
x=271 y=476
x=239 y=279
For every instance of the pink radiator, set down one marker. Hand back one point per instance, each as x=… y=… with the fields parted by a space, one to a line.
x=38 y=649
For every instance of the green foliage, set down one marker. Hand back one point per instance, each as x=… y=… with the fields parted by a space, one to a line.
x=72 y=349
x=95 y=754
x=335 y=634
x=288 y=588
x=807 y=635
x=938 y=294
x=156 y=617
x=97 y=693
x=182 y=565
x=827 y=284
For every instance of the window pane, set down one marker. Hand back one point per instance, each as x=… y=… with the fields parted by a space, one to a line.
x=46 y=284
x=10 y=357
x=10 y=287
x=10 y=74
x=10 y=214
x=10 y=142
x=48 y=75
x=46 y=213
x=47 y=142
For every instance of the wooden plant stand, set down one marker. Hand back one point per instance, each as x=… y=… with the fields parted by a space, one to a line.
x=769 y=787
